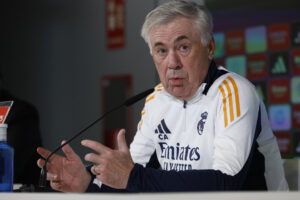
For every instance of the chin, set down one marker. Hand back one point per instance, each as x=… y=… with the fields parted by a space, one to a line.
x=178 y=95
x=177 y=92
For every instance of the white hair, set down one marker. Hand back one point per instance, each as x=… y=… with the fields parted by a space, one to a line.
x=168 y=12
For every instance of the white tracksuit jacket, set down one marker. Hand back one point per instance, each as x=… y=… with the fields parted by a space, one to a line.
x=218 y=140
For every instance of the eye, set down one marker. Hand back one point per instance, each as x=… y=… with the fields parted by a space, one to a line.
x=184 y=47
x=161 y=51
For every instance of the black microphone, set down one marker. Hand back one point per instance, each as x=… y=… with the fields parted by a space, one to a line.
x=128 y=102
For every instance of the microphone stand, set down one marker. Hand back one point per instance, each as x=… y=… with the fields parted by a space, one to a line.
x=128 y=102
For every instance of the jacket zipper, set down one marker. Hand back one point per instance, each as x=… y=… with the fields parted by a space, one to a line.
x=184 y=103
x=184 y=107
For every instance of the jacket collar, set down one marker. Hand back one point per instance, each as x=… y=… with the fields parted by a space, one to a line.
x=212 y=75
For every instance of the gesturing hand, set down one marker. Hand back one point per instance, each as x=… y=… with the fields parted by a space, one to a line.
x=113 y=166
x=66 y=174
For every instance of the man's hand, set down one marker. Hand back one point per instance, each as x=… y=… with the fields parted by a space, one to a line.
x=66 y=174
x=113 y=167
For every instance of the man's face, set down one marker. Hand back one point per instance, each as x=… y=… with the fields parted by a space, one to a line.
x=180 y=58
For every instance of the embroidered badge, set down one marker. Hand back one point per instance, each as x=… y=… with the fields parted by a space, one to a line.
x=201 y=123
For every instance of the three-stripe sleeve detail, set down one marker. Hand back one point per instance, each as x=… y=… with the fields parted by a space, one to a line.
x=230 y=92
x=224 y=105
x=236 y=96
x=150 y=97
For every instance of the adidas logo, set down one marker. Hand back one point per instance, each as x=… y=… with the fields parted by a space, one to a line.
x=279 y=67
x=162 y=130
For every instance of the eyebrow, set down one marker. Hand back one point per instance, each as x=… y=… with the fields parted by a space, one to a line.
x=178 y=39
x=182 y=37
x=158 y=44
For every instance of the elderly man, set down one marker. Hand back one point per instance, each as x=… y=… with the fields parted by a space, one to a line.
x=203 y=128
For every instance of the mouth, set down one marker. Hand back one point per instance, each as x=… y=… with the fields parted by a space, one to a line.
x=176 y=81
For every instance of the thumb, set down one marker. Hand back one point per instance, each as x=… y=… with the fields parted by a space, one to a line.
x=122 y=146
x=69 y=152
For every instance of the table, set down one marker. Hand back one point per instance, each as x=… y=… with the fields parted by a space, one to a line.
x=155 y=196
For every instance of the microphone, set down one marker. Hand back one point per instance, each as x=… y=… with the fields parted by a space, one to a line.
x=128 y=102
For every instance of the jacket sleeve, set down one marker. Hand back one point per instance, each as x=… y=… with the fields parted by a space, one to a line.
x=154 y=180
x=95 y=188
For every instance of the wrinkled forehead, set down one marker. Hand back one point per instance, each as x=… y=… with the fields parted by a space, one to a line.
x=179 y=28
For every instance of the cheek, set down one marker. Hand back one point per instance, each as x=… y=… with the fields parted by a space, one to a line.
x=161 y=72
x=189 y=70
x=193 y=72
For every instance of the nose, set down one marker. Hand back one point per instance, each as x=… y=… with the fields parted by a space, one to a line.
x=174 y=61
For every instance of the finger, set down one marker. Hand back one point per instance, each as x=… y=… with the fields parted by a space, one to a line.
x=96 y=146
x=94 y=158
x=43 y=152
x=40 y=163
x=68 y=151
x=46 y=153
x=122 y=145
x=56 y=185
x=52 y=177
x=49 y=167
x=94 y=170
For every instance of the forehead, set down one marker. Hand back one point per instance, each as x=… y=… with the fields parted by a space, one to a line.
x=168 y=33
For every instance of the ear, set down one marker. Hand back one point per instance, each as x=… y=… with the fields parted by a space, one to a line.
x=211 y=48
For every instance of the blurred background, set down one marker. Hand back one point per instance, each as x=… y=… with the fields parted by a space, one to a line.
x=72 y=60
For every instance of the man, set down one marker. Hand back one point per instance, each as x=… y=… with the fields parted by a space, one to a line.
x=204 y=126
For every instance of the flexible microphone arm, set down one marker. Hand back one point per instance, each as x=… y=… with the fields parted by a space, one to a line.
x=128 y=102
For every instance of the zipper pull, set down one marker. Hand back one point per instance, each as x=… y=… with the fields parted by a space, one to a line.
x=184 y=103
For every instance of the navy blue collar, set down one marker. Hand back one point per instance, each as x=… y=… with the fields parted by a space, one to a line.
x=212 y=74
